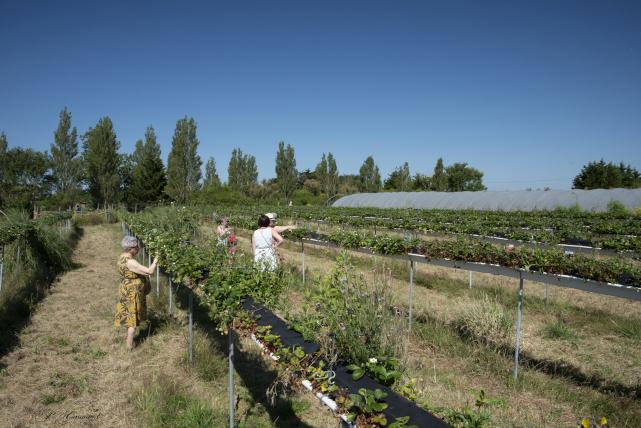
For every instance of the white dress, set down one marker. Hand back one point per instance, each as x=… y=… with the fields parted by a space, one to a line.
x=264 y=244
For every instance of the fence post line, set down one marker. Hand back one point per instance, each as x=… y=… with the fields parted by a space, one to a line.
x=518 y=326
x=470 y=281
x=230 y=334
x=302 y=255
x=191 y=326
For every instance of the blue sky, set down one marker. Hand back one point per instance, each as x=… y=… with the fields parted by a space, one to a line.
x=527 y=92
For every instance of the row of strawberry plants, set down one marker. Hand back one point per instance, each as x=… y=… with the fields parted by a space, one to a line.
x=594 y=229
x=225 y=282
x=551 y=261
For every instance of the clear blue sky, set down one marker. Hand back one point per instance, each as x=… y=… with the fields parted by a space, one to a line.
x=527 y=92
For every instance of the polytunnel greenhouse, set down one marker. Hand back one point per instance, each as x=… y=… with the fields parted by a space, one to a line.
x=522 y=200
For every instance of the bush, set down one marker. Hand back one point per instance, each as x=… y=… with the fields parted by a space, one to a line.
x=344 y=312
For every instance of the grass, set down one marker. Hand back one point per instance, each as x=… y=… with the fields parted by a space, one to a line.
x=164 y=403
x=48 y=399
x=559 y=330
x=542 y=396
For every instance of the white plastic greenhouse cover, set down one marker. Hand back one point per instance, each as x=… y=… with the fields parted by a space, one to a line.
x=521 y=200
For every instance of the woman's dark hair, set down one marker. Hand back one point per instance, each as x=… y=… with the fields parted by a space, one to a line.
x=263 y=220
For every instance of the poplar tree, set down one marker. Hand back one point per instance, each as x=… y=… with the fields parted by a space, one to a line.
x=242 y=171
x=211 y=176
x=286 y=174
x=369 y=176
x=321 y=173
x=148 y=175
x=101 y=161
x=183 y=165
x=332 y=176
x=439 y=179
x=64 y=159
x=327 y=174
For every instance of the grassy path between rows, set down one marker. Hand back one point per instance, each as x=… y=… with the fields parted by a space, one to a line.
x=72 y=368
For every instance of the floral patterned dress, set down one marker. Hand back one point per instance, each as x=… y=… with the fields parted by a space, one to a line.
x=131 y=308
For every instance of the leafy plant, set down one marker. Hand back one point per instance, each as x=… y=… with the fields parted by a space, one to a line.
x=384 y=370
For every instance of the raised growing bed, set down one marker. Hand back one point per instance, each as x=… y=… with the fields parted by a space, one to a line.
x=398 y=406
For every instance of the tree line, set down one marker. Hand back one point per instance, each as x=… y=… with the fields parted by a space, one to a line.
x=89 y=168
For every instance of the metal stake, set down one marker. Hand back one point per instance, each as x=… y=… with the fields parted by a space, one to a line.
x=409 y=328
x=230 y=334
x=518 y=327
x=302 y=249
x=191 y=326
x=157 y=280
x=171 y=292
x=470 y=281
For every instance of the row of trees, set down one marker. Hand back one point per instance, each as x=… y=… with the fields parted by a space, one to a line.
x=90 y=164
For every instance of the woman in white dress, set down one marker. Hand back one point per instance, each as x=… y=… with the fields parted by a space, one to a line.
x=264 y=242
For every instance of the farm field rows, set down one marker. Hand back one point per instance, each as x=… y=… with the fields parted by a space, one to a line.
x=75 y=371
x=567 y=347
x=618 y=230
x=579 y=358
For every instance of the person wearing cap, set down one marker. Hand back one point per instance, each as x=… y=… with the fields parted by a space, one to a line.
x=272 y=223
x=265 y=240
x=131 y=308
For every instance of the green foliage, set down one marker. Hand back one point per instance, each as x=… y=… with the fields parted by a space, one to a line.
x=369 y=176
x=461 y=177
x=26 y=177
x=400 y=179
x=242 y=172
x=439 y=179
x=559 y=330
x=164 y=404
x=599 y=175
x=471 y=418
x=65 y=164
x=183 y=164
x=327 y=174
x=226 y=280
x=355 y=316
x=148 y=175
x=369 y=404
x=211 y=176
x=286 y=174
x=384 y=370
x=101 y=161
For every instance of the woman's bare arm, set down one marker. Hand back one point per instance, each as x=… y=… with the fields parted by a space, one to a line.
x=277 y=238
x=253 y=245
x=136 y=267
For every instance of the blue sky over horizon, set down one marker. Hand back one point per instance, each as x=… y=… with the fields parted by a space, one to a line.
x=527 y=92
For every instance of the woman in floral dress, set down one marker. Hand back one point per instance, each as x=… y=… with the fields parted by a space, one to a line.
x=131 y=308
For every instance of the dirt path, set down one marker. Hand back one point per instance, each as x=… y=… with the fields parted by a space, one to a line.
x=72 y=368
